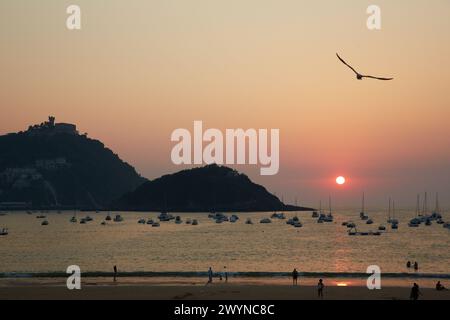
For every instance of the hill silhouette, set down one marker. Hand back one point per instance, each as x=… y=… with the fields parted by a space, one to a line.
x=204 y=189
x=52 y=165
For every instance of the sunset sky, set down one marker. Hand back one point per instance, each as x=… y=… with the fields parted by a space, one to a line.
x=137 y=70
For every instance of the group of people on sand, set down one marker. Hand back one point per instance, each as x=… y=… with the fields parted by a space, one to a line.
x=221 y=275
x=320 y=284
x=415 y=265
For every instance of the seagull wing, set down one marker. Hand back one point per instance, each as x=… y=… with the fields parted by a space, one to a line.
x=342 y=60
x=378 y=78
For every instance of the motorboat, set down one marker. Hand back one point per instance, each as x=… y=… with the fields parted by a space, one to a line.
x=265 y=220
x=344 y=223
x=118 y=218
x=164 y=216
x=248 y=221
x=108 y=217
x=150 y=221
x=83 y=221
x=3 y=232
x=73 y=219
x=44 y=223
x=234 y=218
x=103 y=223
x=142 y=221
x=188 y=221
x=290 y=221
x=88 y=218
x=351 y=225
x=278 y=216
x=369 y=221
x=298 y=224
x=382 y=228
x=314 y=214
x=41 y=217
x=155 y=224
x=195 y=222
x=178 y=220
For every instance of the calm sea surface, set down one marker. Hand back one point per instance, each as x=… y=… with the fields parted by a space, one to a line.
x=275 y=247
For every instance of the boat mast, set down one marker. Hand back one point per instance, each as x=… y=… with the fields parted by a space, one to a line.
x=329 y=203
x=389 y=212
x=320 y=206
x=363 y=203
x=436 y=209
x=417 y=205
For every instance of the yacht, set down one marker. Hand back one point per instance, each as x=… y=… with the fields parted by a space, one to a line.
x=329 y=216
x=415 y=222
x=436 y=214
x=362 y=214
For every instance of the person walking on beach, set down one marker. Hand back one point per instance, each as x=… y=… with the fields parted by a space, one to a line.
x=416 y=266
x=210 y=275
x=320 y=287
x=408 y=264
x=415 y=292
x=115 y=273
x=294 y=277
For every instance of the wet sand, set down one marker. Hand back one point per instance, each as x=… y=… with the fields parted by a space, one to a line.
x=192 y=290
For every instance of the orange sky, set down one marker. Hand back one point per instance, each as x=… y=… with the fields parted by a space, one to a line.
x=140 y=69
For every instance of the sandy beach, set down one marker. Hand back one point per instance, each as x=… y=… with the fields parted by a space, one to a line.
x=93 y=289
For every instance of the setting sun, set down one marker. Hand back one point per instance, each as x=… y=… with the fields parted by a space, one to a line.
x=340 y=180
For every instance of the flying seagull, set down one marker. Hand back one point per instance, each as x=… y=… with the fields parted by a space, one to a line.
x=361 y=76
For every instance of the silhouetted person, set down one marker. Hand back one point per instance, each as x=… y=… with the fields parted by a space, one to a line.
x=294 y=277
x=416 y=266
x=439 y=286
x=415 y=292
x=320 y=287
x=210 y=275
x=115 y=273
x=226 y=274
x=408 y=264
